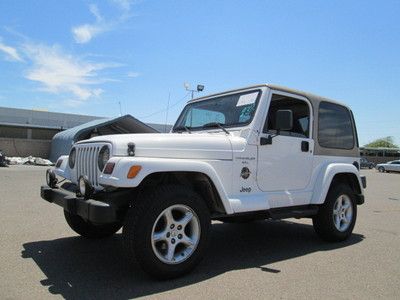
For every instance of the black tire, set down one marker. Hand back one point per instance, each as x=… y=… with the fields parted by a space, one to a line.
x=324 y=223
x=88 y=230
x=140 y=219
x=381 y=169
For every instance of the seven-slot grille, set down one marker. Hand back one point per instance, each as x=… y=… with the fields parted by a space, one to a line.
x=87 y=162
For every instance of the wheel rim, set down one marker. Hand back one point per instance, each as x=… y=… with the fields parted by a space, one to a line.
x=175 y=234
x=342 y=213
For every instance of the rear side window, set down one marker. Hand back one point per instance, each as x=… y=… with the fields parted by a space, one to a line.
x=335 y=128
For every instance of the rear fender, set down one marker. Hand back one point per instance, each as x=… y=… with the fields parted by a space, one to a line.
x=326 y=177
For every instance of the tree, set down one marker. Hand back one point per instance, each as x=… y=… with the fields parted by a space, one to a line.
x=386 y=142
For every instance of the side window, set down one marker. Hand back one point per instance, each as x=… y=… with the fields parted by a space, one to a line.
x=301 y=116
x=335 y=128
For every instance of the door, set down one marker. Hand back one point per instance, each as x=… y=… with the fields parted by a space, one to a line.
x=394 y=166
x=285 y=164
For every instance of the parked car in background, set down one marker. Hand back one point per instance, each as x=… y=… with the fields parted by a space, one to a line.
x=366 y=164
x=390 y=166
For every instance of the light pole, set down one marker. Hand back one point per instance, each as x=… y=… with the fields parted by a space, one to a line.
x=199 y=89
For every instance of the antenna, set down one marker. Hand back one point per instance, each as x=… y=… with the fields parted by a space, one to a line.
x=120 y=109
x=166 y=115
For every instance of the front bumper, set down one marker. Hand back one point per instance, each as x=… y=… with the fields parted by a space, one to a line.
x=360 y=198
x=95 y=211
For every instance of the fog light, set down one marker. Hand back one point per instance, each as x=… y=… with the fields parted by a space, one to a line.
x=51 y=178
x=85 y=188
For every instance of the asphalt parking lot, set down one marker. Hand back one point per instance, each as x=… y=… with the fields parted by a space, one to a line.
x=40 y=257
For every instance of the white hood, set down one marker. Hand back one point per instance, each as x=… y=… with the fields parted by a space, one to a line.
x=173 y=145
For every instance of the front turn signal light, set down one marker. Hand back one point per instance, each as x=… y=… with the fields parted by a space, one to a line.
x=133 y=171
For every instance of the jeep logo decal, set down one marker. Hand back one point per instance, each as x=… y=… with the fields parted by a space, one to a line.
x=245 y=190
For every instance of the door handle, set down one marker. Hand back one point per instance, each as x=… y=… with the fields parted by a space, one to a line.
x=305 y=146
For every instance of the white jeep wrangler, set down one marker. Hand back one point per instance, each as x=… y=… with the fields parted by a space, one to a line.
x=254 y=153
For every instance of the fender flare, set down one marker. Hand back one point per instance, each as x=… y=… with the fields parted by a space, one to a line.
x=63 y=170
x=157 y=165
x=325 y=178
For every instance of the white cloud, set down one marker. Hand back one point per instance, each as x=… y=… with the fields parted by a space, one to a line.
x=97 y=92
x=11 y=53
x=95 y=11
x=62 y=73
x=86 y=32
x=123 y=4
x=133 y=74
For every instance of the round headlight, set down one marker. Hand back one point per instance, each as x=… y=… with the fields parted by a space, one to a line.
x=72 y=158
x=104 y=156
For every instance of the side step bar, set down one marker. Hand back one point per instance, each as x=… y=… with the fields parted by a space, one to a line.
x=293 y=212
x=303 y=211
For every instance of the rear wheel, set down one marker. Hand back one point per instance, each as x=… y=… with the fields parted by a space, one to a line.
x=337 y=216
x=89 y=230
x=166 y=231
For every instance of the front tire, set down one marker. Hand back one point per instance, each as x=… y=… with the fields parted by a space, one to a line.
x=89 y=230
x=337 y=216
x=381 y=169
x=166 y=231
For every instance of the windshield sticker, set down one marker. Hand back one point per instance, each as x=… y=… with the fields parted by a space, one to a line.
x=247 y=99
x=246 y=113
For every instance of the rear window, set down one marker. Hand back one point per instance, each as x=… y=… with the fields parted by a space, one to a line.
x=335 y=128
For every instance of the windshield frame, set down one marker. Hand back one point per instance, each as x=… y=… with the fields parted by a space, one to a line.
x=183 y=112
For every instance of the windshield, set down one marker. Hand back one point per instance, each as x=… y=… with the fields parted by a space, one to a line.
x=228 y=111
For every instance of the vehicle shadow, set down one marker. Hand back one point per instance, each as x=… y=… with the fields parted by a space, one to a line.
x=79 y=268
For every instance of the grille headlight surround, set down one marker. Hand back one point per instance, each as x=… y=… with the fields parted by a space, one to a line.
x=104 y=156
x=72 y=158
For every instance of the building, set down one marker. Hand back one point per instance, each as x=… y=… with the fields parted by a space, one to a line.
x=26 y=132
x=380 y=155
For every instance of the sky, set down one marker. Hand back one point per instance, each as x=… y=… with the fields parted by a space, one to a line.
x=106 y=57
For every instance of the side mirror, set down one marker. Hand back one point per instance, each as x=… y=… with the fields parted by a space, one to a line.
x=284 y=119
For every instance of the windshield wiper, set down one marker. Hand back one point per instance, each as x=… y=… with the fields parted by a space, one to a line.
x=215 y=124
x=182 y=128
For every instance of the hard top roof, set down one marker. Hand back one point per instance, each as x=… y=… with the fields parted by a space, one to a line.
x=315 y=99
